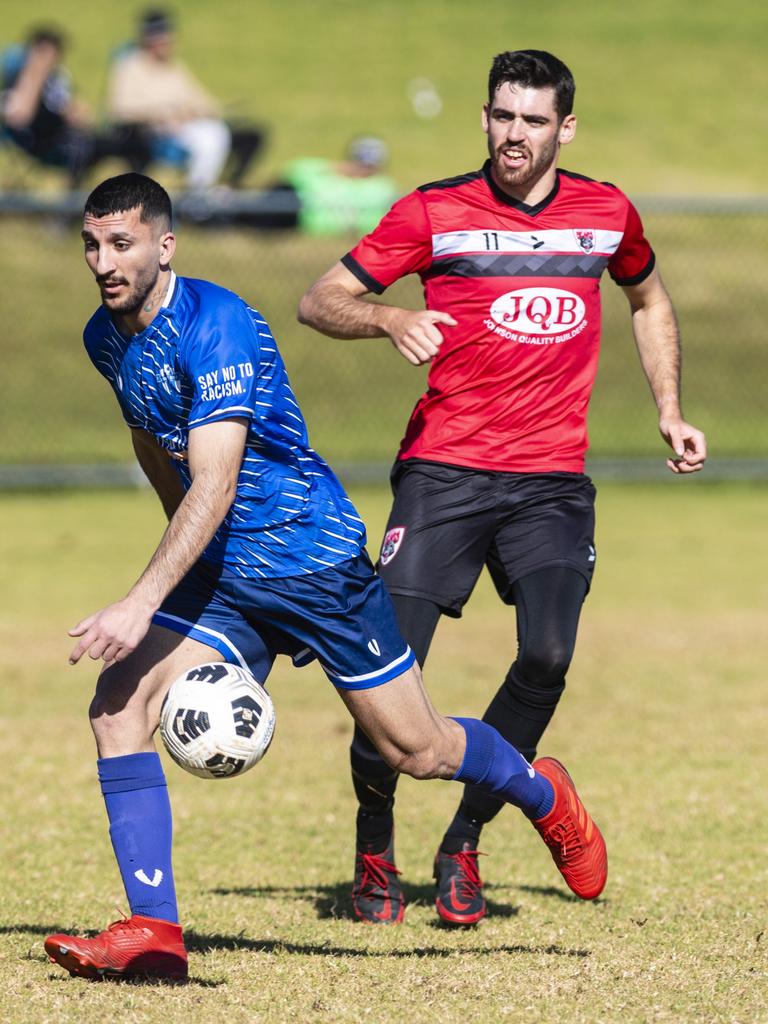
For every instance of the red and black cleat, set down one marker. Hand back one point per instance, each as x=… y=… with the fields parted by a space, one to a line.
x=459 y=898
x=377 y=896
x=135 y=946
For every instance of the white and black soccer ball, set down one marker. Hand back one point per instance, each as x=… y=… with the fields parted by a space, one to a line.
x=217 y=721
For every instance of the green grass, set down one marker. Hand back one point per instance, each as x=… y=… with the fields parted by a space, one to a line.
x=663 y=725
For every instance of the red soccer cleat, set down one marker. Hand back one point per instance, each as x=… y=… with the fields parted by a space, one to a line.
x=574 y=840
x=133 y=946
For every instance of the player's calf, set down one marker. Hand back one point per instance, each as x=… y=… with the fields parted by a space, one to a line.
x=436 y=760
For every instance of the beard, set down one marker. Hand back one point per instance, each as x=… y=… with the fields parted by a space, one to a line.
x=526 y=176
x=137 y=294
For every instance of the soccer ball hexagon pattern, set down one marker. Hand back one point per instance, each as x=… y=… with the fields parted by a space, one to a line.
x=217 y=721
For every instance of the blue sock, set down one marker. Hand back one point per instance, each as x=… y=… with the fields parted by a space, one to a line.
x=495 y=766
x=140 y=828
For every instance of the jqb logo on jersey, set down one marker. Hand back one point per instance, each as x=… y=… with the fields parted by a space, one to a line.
x=538 y=311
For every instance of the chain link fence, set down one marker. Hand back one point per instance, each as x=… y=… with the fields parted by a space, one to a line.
x=59 y=422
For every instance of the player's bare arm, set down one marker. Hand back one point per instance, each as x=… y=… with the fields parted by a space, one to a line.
x=657 y=337
x=157 y=467
x=334 y=306
x=215 y=456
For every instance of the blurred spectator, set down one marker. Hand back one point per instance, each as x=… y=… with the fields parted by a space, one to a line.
x=148 y=86
x=41 y=115
x=350 y=195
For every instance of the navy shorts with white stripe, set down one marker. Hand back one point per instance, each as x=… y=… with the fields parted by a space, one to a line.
x=343 y=616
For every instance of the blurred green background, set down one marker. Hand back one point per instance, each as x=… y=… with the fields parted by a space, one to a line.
x=671 y=96
x=671 y=101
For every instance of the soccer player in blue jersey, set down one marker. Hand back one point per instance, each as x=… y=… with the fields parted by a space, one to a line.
x=263 y=555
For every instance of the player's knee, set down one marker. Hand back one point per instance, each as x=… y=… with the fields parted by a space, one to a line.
x=106 y=715
x=101 y=707
x=109 y=700
x=104 y=722
x=114 y=702
x=119 y=727
x=545 y=666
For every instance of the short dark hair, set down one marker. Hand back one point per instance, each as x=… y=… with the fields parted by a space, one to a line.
x=156 y=22
x=534 y=69
x=47 y=34
x=130 y=192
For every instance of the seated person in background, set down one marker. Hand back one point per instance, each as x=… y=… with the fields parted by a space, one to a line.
x=41 y=115
x=350 y=195
x=148 y=86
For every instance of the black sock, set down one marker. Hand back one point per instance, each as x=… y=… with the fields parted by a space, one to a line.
x=375 y=784
x=464 y=829
x=374 y=831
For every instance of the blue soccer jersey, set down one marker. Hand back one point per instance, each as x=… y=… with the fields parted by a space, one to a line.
x=208 y=356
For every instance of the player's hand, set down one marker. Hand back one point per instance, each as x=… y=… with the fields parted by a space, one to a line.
x=688 y=444
x=112 y=633
x=415 y=333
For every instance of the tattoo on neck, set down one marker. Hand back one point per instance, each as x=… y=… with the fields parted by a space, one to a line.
x=153 y=300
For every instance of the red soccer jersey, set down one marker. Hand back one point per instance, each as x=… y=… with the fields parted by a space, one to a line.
x=510 y=386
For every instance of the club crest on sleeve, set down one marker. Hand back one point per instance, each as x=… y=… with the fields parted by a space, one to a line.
x=391 y=544
x=586 y=239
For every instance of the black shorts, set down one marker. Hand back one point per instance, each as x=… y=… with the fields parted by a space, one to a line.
x=448 y=521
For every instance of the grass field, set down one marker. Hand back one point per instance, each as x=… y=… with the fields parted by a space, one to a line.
x=663 y=726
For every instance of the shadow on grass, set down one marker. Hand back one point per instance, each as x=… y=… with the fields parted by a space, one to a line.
x=143 y=982
x=35 y=929
x=335 y=901
x=200 y=943
x=560 y=894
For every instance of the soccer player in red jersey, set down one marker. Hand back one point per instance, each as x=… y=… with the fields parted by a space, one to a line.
x=490 y=471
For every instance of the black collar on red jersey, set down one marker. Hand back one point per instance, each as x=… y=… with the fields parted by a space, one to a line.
x=518 y=204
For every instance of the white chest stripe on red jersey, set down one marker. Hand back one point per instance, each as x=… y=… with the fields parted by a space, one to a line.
x=570 y=240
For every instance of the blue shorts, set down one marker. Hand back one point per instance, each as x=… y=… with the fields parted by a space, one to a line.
x=342 y=616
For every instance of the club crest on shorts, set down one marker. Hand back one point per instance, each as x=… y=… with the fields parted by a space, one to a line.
x=391 y=544
x=586 y=240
